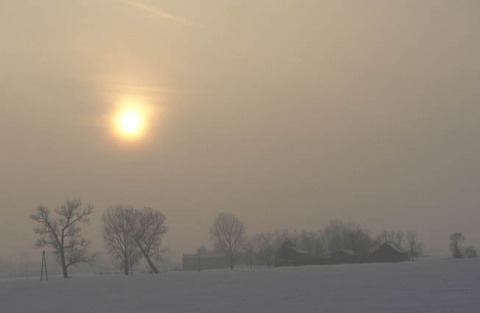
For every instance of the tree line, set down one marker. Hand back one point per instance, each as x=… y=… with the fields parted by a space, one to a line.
x=131 y=234
x=264 y=247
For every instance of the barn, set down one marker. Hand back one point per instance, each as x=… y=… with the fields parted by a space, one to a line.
x=289 y=255
x=389 y=252
x=194 y=262
x=344 y=256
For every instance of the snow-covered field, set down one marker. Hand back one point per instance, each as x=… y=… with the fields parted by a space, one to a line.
x=424 y=286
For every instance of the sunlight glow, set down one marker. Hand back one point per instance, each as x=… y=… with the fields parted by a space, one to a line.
x=131 y=122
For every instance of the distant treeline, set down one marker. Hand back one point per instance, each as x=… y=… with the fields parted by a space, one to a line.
x=134 y=234
x=262 y=249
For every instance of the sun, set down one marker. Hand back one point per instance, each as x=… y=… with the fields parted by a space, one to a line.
x=130 y=123
x=133 y=121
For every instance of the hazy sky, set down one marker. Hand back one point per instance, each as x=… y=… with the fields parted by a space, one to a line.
x=288 y=113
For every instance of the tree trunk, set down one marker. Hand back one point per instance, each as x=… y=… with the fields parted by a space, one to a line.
x=150 y=263
x=126 y=265
x=62 y=255
x=64 y=265
x=231 y=260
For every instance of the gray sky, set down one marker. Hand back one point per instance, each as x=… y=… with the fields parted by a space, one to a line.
x=288 y=113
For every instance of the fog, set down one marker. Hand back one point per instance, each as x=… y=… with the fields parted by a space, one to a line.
x=286 y=113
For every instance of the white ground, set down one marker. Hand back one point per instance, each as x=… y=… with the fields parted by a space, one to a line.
x=424 y=286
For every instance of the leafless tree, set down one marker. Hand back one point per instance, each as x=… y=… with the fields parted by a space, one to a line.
x=62 y=232
x=414 y=247
x=386 y=236
x=280 y=236
x=347 y=235
x=118 y=241
x=400 y=238
x=147 y=227
x=456 y=240
x=397 y=237
x=262 y=246
x=311 y=242
x=228 y=233
x=470 y=252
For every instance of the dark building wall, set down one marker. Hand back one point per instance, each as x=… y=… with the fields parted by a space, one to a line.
x=289 y=256
x=343 y=257
x=190 y=262
x=386 y=253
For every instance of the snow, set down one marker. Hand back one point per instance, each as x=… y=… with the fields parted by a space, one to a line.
x=421 y=286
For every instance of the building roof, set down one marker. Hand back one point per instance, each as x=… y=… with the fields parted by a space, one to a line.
x=299 y=251
x=395 y=247
x=344 y=254
x=348 y=252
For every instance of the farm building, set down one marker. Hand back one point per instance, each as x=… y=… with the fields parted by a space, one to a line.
x=389 y=252
x=344 y=256
x=289 y=255
x=195 y=262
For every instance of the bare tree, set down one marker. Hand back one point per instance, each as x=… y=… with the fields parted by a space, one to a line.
x=147 y=228
x=249 y=252
x=456 y=240
x=458 y=250
x=311 y=242
x=397 y=237
x=262 y=246
x=62 y=232
x=386 y=236
x=414 y=247
x=470 y=252
x=118 y=241
x=280 y=236
x=228 y=233
x=347 y=235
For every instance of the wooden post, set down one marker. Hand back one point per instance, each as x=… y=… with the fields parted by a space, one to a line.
x=44 y=267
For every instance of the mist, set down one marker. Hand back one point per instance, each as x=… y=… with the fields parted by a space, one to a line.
x=287 y=113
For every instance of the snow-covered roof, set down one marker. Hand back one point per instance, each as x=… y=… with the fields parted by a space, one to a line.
x=395 y=247
x=300 y=251
x=348 y=252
